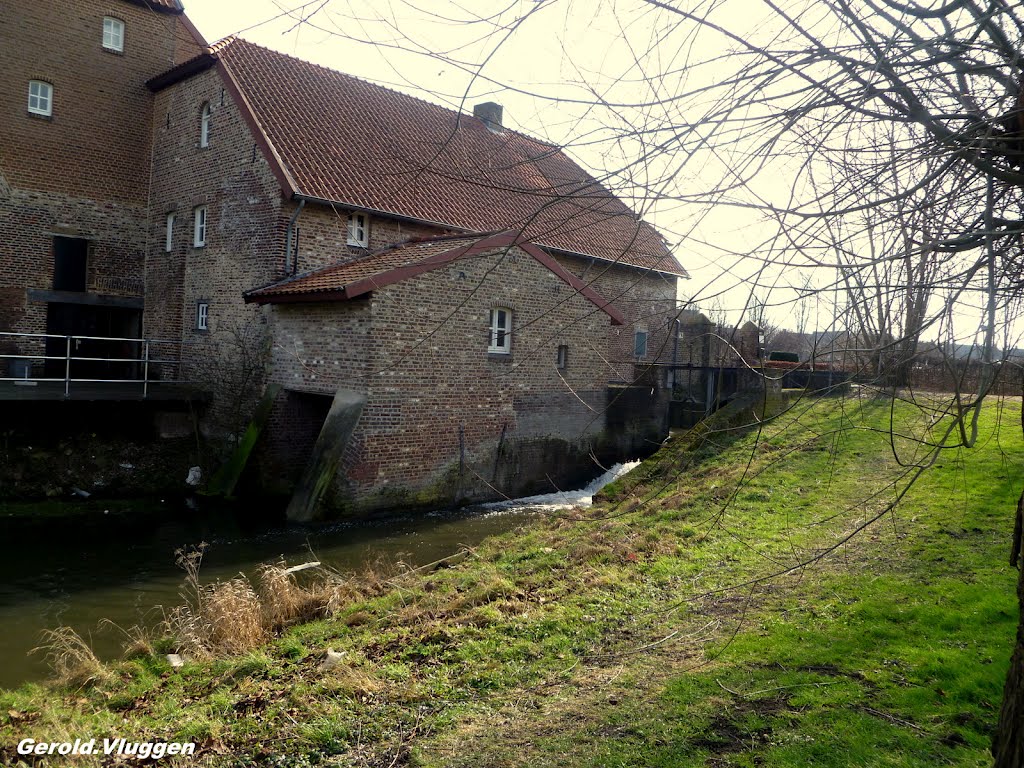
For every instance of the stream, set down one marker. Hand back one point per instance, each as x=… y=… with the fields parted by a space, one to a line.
x=100 y=571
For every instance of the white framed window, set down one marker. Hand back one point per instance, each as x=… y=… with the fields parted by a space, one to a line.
x=358 y=230
x=202 y=316
x=113 y=34
x=199 y=226
x=562 y=360
x=169 y=233
x=40 y=98
x=640 y=343
x=501 y=331
x=204 y=125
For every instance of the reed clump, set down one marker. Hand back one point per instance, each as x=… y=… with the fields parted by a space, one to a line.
x=71 y=660
x=235 y=616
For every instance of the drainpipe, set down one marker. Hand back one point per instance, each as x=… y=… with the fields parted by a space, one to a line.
x=291 y=235
x=675 y=354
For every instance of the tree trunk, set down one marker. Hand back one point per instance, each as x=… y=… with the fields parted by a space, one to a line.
x=1008 y=745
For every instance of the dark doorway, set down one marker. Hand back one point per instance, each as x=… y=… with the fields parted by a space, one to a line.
x=70 y=263
x=114 y=323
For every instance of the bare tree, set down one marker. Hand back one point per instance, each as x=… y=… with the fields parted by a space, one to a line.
x=879 y=144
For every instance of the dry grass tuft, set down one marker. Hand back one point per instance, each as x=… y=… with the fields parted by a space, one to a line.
x=225 y=617
x=285 y=602
x=229 y=617
x=354 y=682
x=357 y=618
x=139 y=641
x=70 y=658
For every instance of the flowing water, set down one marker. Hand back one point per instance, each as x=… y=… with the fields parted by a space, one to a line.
x=96 y=572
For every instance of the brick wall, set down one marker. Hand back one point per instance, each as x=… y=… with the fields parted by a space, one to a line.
x=96 y=144
x=646 y=299
x=322 y=235
x=318 y=348
x=29 y=220
x=444 y=418
x=84 y=171
x=244 y=246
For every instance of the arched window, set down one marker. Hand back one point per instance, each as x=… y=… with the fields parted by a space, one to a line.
x=640 y=342
x=204 y=126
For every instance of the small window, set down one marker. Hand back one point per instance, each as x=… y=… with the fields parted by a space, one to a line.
x=204 y=125
x=199 y=226
x=113 y=34
x=358 y=231
x=202 y=315
x=40 y=98
x=640 y=344
x=169 y=234
x=501 y=332
x=562 y=360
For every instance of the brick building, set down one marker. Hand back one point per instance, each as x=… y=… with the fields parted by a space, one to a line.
x=287 y=224
x=75 y=147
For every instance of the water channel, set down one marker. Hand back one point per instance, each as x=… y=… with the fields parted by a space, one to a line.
x=118 y=565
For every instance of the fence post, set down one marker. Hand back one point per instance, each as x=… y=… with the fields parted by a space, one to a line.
x=145 y=369
x=67 y=369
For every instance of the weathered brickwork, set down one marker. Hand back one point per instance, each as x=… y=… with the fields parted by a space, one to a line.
x=445 y=420
x=244 y=237
x=439 y=405
x=320 y=347
x=322 y=235
x=83 y=171
x=646 y=299
x=244 y=244
x=96 y=143
x=29 y=221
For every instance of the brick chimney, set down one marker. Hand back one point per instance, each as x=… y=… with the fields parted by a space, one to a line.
x=490 y=113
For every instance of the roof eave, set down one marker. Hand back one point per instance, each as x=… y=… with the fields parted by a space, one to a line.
x=183 y=71
x=367 y=285
x=307 y=297
x=177 y=11
x=618 y=262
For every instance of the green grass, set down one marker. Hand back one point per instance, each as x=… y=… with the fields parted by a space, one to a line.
x=714 y=610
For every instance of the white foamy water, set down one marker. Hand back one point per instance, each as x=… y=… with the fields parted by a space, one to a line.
x=582 y=497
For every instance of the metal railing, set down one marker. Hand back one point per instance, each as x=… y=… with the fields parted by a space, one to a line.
x=143 y=361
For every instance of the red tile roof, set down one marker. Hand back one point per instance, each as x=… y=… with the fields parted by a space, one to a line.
x=337 y=277
x=340 y=139
x=404 y=260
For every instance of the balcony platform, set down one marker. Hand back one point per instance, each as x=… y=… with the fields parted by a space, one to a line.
x=106 y=391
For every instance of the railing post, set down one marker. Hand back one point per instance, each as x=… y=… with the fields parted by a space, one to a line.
x=145 y=369
x=67 y=369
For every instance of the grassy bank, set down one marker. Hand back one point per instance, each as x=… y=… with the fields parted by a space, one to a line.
x=732 y=603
